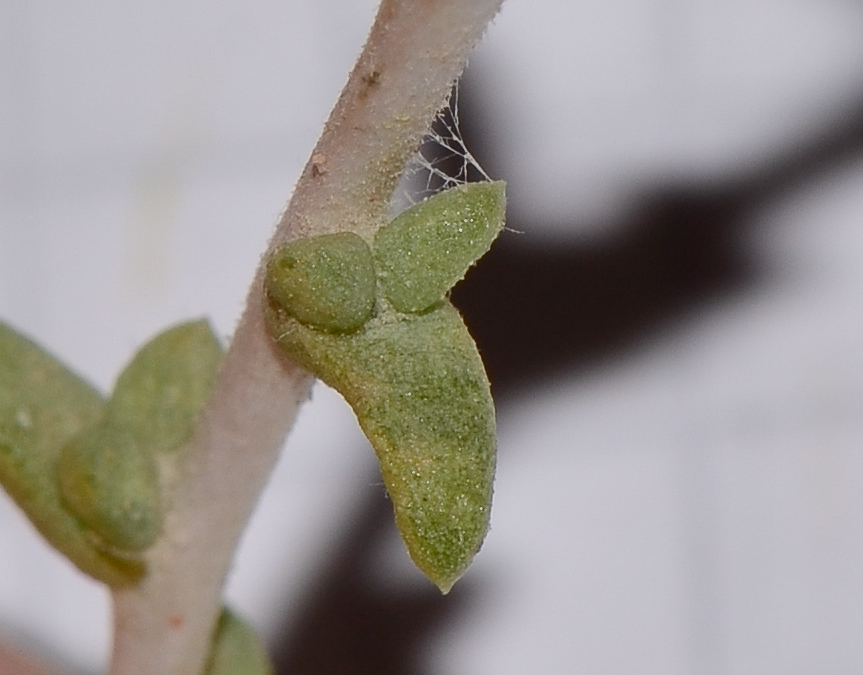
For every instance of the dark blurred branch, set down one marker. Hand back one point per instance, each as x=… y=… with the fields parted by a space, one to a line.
x=537 y=310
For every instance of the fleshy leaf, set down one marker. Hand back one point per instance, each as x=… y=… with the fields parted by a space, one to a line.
x=111 y=483
x=237 y=649
x=327 y=282
x=424 y=251
x=411 y=371
x=159 y=395
x=43 y=405
x=421 y=395
x=109 y=475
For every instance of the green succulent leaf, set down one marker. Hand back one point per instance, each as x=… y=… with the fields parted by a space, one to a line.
x=424 y=251
x=111 y=482
x=110 y=475
x=237 y=650
x=421 y=395
x=43 y=406
x=407 y=365
x=158 y=396
x=327 y=282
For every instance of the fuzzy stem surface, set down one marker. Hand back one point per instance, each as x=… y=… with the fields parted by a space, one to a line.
x=415 y=52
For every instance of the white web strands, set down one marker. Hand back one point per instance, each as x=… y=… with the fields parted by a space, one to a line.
x=442 y=161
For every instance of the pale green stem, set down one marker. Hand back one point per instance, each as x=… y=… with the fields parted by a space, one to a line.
x=416 y=50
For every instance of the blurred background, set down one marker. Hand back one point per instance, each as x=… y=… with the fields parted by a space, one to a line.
x=673 y=323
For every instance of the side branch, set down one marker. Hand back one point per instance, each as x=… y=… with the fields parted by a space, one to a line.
x=416 y=50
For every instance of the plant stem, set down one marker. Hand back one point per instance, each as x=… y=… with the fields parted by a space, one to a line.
x=16 y=662
x=415 y=52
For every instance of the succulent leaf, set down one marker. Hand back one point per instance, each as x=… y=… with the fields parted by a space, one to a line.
x=327 y=282
x=43 y=406
x=425 y=250
x=407 y=366
x=237 y=649
x=420 y=393
x=109 y=475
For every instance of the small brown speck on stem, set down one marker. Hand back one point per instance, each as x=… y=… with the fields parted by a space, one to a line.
x=319 y=164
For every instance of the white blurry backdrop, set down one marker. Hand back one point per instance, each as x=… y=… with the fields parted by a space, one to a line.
x=693 y=506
